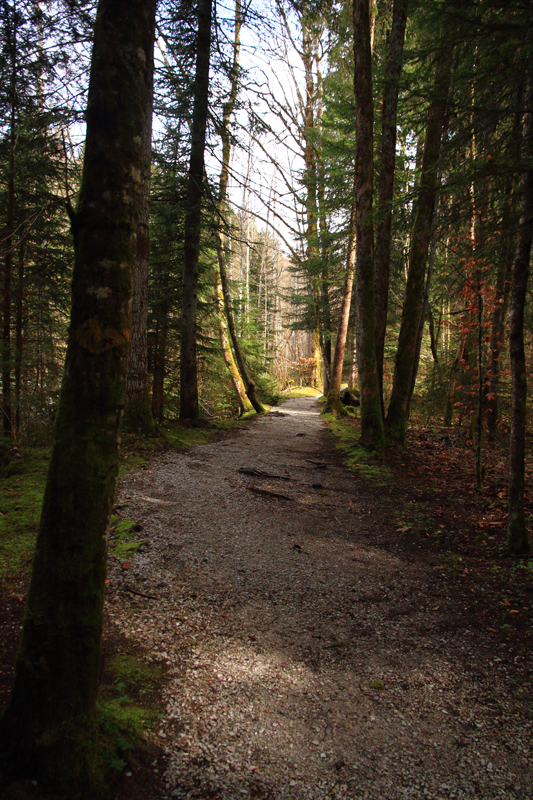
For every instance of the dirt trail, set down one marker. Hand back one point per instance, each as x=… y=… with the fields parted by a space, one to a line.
x=308 y=655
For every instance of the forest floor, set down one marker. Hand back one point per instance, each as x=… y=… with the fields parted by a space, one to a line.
x=311 y=631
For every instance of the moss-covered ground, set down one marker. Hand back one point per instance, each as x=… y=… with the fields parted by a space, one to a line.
x=128 y=705
x=22 y=483
x=302 y=391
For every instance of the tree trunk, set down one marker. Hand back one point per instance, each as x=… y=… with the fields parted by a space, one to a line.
x=425 y=303
x=310 y=182
x=371 y=419
x=386 y=179
x=138 y=410
x=9 y=242
x=517 y=538
x=432 y=336
x=6 y=331
x=19 y=335
x=235 y=376
x=323 y=238
x=46 y=732
x=189 y=406
x=225 y=134
x=502 y=292
x=333 y=404
x=317 y=380
x=239 y=355
x=160 y=349
x=448 y=413
x=239 y=372
x=427 y=192
x=501 y=300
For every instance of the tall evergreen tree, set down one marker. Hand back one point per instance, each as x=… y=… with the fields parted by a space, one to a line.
x=398 y=410
x=372 y=433
x=516 y=527
x=189 y=407
x=138 y=410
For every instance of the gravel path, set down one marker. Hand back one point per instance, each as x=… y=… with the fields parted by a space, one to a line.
x=308 y=656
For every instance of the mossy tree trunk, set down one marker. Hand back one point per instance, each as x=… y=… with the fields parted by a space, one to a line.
x=425 y=302
x=19 y=334
x=239 y=372
x=308 y=103
x=235 y=376
x=189 y=405
x=159 y=356
x=454 y=373
x=46 y=731
x=8 y=234
x=249 y=383
x=333 y=402
x=323 y=236
x=517 y=538
x=225 y=135
x=502 y=288
x=386 y=178
x=138 y=410
x=372 y=433
x=398 y=410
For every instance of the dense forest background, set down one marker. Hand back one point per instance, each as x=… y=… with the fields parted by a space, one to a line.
x=286 y=222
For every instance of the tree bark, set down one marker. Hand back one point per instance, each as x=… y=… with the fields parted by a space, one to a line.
x=6 y=330
x=249 y=383
x=386 y=179
x=46 y=731
x=517 y=538
x=501 y=299
x=239 y=373
x=432 y=336
x=427 y=192
x=19 y=334
x=189 y=406
x=323 y=238
x=333 y=403
x=238 y=385
x=311 y=199
x=160 y=350
x=502 y=291
x=138 y=410
x=225 y=135
x=7 y=412
x=425 y=302
x=448 y=413
x=372 y=433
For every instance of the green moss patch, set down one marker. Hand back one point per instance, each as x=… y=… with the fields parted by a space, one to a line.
x=22 y=483
x=367 y=464
x=133 y=673
x=302 y=391
x=128 y=705
x=124 y=536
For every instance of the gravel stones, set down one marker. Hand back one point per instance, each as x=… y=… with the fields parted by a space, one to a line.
x=304 y=658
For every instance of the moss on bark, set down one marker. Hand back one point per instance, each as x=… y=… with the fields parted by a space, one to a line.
x=405 y=363
x=372 y=434
x=47 y=729
x=517 y=537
